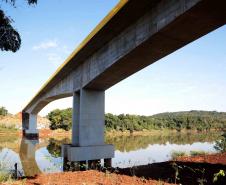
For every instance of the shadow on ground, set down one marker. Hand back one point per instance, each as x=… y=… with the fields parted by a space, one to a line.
x=186 y=173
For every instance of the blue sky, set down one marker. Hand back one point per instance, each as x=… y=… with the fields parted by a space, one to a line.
x=192 y=78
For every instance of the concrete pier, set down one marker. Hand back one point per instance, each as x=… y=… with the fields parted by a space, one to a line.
x=29 y=126
x=88 y=118
x=88 y=128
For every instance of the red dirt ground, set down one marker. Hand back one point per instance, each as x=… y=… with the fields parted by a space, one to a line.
x=90 y=178
x=211 y=158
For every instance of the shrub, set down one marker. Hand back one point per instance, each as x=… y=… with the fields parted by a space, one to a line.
x=177 y=154
x=3 y=111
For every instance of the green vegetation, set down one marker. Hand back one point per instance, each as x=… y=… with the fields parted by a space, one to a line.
x=191 y=120
x=60 y=119
x=195 y=120
x=5 y=127
x=9 y=37
x=3 y=111
x=5 y=177
x=177 y=154
x=54 y=146
x=136 y=142
x=195 y=153
x=218 y=176
x=221 y=144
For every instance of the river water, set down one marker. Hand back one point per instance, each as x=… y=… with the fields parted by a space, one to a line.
x=44 y=155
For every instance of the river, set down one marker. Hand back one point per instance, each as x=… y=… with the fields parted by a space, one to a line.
x=44 y=155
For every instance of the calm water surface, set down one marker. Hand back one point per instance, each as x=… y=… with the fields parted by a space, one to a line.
x=44 y=155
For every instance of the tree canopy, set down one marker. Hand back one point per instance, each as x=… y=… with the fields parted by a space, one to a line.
x=60 y=119
x=3 y=111
x=9 y=37
x=190 y=120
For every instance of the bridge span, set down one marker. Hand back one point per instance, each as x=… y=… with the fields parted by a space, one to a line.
x=135 y=34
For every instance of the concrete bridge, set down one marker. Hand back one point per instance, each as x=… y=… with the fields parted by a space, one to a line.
x=135 y=34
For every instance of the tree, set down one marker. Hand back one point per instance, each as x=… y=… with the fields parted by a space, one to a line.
x=221 y=144
x=3 y=111
x=192 y=120
x=60 y=119
x=9 y=37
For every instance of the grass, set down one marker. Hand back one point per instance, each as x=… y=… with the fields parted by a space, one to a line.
x=177 y=154
x=5 y=177
x=198 y=152
x=4 y=127
x=8 y=179
x=193 y=153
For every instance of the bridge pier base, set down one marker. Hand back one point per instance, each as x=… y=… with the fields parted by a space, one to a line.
x=87 y=153
x=29 y=126
x=88 y=128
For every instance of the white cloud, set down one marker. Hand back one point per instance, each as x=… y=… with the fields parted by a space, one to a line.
x=46 y=45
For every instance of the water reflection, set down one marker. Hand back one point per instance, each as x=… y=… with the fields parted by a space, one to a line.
x=34 y=157
x=132 y=143
x=27 y=157
x=54 y=146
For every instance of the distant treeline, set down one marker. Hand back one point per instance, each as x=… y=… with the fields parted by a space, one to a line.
x=190 y=120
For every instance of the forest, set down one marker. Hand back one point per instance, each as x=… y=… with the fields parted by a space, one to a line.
x=186 y=120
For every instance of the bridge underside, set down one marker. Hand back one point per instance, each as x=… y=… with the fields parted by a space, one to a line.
x=139 y=34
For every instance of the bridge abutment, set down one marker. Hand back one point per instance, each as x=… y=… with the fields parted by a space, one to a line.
x=88 y=128
x=29 y=125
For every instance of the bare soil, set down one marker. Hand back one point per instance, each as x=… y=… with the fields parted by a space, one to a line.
x=90 y=178
x=211 y=158
x=184 y=170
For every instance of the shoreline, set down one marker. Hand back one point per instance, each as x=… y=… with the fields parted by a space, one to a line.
x=62 y=133
x=155 y=173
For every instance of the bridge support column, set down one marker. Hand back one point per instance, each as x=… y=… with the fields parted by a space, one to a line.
x=88 y=128
x=29 y=125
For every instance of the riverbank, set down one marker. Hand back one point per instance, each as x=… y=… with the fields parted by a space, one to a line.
x=59 y=133
x=186 y=171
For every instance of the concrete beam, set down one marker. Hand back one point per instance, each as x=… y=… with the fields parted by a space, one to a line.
x=141 y=33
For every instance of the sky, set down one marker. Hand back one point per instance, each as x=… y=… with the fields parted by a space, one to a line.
x=191 y=78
